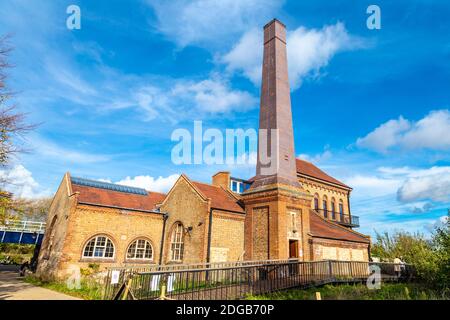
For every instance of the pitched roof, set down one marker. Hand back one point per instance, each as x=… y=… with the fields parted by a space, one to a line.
x=97 y=193
x=308 y=169
x=220 y=198
x=321 y=228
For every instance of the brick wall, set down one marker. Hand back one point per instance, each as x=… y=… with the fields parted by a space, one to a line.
x=185 y=205
x=56 y=232
x=227 y=239
x=121 y=226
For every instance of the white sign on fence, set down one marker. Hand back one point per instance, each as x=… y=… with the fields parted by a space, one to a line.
x=115 y=275
x=154 y=285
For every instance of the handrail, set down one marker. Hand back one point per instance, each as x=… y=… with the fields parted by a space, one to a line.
x=23 y=226
x=341 y=218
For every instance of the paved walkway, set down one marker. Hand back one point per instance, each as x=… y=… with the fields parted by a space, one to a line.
x=12 y=287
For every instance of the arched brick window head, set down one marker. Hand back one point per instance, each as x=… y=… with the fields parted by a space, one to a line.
x=176 y=243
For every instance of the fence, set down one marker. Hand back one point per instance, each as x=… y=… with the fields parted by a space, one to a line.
x=238 y=279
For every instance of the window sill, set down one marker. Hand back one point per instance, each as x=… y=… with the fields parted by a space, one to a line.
x=99 y=260
x=137 y=261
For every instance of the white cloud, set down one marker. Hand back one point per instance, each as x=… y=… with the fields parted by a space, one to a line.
x=439 y=223
x=19 y=181
x=317 y=158
x=433 y=184
x=49 y=149
x=214 y=96
x=246 y=56
x=420 y=207
x=431 y=132
x=308 y=50
x=210 y=22
x=385 y=136
x=373 y=185
x=412 y=186
x=160 y=184
x=184 y=98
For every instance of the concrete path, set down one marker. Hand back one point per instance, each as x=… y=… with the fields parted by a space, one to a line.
x=12 y=287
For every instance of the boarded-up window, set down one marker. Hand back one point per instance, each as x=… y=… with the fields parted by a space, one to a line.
x=329 y=253
x=344 y=254
x=357 y=255
x=219 y=254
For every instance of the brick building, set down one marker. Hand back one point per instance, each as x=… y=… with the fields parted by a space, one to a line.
x=297 y=211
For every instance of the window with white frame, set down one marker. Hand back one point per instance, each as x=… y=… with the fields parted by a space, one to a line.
x=99 y=247
x=140 y=249
x=176 y=243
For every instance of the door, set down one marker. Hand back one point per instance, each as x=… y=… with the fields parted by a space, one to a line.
x=293 y=249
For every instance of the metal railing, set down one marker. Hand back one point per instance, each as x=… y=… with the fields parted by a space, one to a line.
x=237 y=281
x=341 y=218
x=23 y=226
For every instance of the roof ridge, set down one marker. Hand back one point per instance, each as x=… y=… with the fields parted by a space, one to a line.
x=204 y=183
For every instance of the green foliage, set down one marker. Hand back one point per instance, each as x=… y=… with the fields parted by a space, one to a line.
x=431 y=258
x=441 y=241
x=90 y=270
x=15 y=253
x=388 y=291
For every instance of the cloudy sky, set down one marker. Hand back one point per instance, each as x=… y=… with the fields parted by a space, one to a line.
x=370 y=107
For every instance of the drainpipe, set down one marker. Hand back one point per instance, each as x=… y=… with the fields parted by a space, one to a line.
x=165 y=216
x=208 y=253
x=348 y=205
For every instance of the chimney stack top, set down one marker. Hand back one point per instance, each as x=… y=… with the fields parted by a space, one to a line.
x=275 y=29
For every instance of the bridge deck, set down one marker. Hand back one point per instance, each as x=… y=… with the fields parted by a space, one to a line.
x=22 y=232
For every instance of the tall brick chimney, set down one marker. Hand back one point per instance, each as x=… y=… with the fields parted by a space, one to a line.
x=276 y=198
x=275 y=110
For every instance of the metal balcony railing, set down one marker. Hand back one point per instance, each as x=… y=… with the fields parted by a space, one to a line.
x=341 y=218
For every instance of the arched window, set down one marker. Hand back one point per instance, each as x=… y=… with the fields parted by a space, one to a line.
x=99 y=247
x=341 y=209
x=140 y=249
x=316 y=202
x=325 y=207
x=176 y=242
x=333 y=208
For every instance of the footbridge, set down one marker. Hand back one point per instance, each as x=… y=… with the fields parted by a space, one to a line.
x=22 y=232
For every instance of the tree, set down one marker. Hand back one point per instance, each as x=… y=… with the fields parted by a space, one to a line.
x=431 y=258
x=441 y=241
x=12 y=127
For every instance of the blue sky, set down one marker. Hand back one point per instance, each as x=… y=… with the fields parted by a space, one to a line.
x=370 y=107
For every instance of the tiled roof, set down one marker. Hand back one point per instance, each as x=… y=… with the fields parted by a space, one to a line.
x=307 y=168
x=321 y=228
x=120 y=199
x=220 y=199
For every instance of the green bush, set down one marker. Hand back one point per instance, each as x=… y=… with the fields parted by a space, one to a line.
x=430 y=257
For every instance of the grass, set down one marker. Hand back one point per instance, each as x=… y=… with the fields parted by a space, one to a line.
x=388 y=291
x=88 y=290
